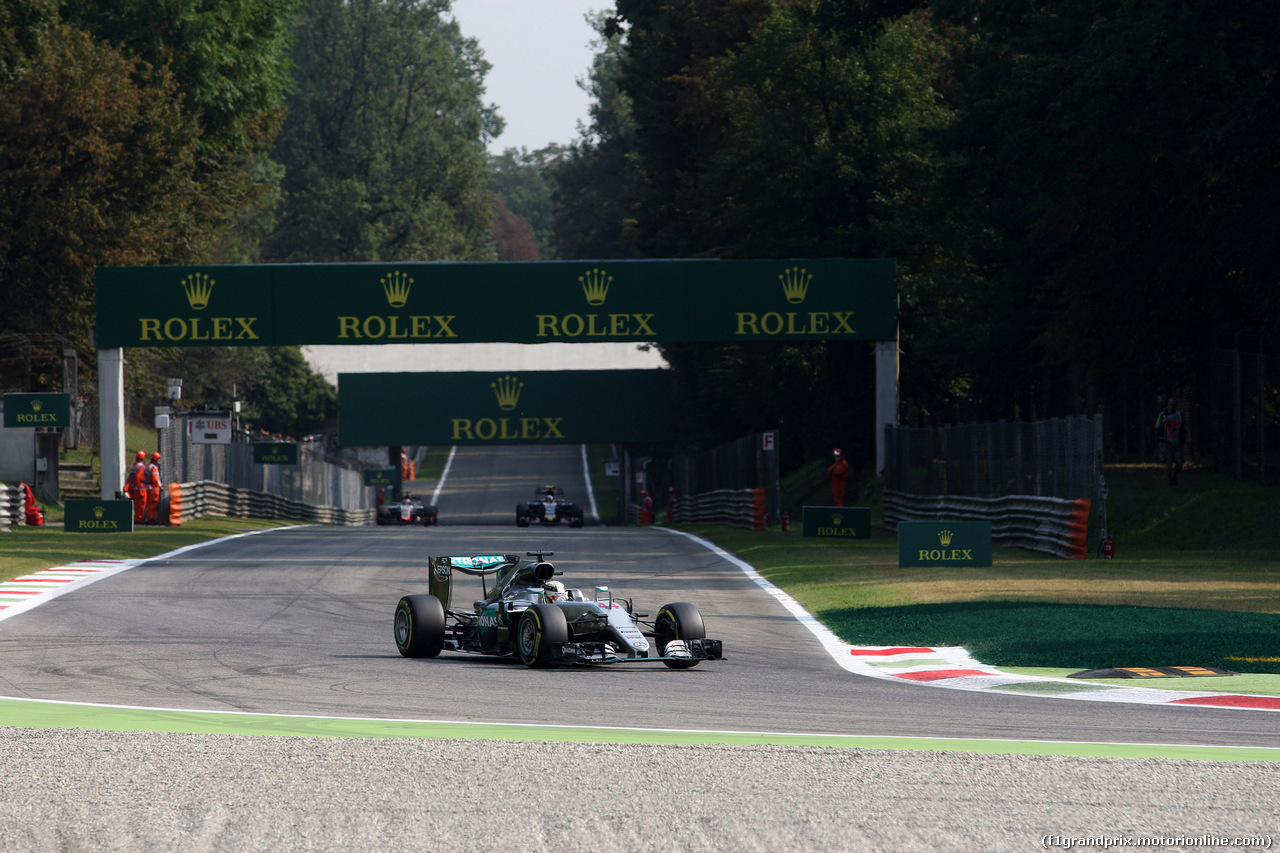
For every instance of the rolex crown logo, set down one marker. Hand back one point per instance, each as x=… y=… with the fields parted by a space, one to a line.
x=397 y=287
x=507 y=390
x=98 y=511
x=37 y=405
x=944 y=536
x=795 y=284
x=595 y=285
x=837 y=519
x=198 y=287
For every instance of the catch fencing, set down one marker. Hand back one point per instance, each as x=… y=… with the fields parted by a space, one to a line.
x=1239 y=435
x=732 y=507
x=737 y=483
x=318 y=479
x=1034 y=480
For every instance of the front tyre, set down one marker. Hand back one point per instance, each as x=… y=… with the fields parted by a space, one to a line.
x=678 y=621
x=522 y=517
x=419 y=626
x=541 y=631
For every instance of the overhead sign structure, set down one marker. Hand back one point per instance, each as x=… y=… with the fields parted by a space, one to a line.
x=37 y=410
x=537 y=407
x=505 y=301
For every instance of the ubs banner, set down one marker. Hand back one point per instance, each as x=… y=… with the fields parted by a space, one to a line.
x=477 y=302
x=944 y=543
x=538 y=407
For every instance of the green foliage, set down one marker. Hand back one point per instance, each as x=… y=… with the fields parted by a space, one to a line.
x=231 y=61
x=98 y=166
x=383 y=144
x=285 y=396
x=523 y=182
x=595 y=180
x=281 y=393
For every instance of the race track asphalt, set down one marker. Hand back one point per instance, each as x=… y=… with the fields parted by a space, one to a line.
x=298 y=621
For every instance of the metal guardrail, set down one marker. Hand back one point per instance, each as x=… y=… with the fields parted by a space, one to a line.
x=732 y=507
x=1050 y=525
x=208 y=497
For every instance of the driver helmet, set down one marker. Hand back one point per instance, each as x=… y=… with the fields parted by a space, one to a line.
x=554 y=591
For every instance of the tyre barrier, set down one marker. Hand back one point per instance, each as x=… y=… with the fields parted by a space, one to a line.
x=732 y=507
x=174 y=515
x=1050 y=525
x=208 y=497
x=11 y=501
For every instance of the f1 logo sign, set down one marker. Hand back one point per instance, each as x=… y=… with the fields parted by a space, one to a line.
x=769 y=439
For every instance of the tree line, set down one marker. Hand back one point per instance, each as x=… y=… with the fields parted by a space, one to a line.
x=1079 y=195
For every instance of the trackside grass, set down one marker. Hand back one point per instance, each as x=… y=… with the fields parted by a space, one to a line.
x=1196 y=582
x=29 y=549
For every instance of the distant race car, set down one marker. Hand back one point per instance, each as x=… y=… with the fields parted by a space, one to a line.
x=408 y=510
x=549 y=508
x=530 y=615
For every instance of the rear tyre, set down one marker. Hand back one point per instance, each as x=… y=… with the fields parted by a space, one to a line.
x=430 y=516
x=419 y=626
x=542 y=630
x=678 y=621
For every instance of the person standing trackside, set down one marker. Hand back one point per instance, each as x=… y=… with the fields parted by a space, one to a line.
x=135 y=486
x=154 y=485
x=1173 y=433
x=839 y=471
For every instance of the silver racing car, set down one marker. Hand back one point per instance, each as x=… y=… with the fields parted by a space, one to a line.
x=530 y=615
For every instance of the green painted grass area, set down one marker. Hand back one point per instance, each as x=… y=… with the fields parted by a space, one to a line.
x=25 y=714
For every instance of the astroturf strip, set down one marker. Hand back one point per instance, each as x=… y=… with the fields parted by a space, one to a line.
x=28 y=713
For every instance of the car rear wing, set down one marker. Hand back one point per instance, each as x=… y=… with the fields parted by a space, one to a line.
x=440 y=570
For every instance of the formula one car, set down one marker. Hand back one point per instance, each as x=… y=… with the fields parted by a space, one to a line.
x=530 y=615
x=549 y=508
x=408 y=510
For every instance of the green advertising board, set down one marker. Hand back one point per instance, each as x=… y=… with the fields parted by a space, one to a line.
x=837 y=522
x=275 y=453
x=37 y=410
x=84 y=516
x=508 y=301
x=380 y=477
x=534 y=407
x=944 y=543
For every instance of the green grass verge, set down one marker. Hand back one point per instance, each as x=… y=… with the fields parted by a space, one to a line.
x=606 y=488
x=433 y=462
x=29 y=549
x=1196 y=582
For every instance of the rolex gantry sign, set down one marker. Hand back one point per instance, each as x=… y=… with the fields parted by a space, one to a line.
x=531 y=407
x=476 y=302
